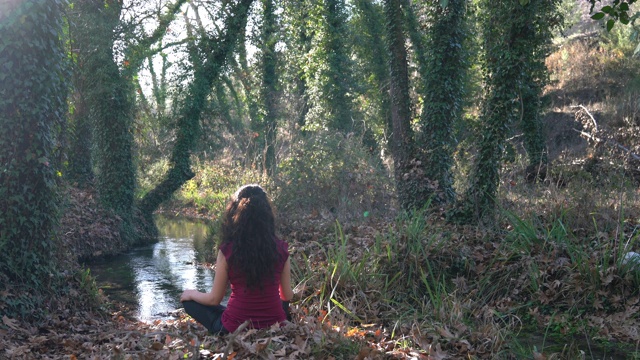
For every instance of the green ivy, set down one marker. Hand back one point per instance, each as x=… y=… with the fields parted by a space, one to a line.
x=372 y=66
x=327 y=68
x=32 y=72
x=514 y=36
x=613 y=11
x=265 y=125
x=402 y=141
x=109 y=96
x=443 y=70
x=542 y=19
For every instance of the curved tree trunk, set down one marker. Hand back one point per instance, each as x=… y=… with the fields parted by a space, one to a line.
x=216 y=53
x=108 y=92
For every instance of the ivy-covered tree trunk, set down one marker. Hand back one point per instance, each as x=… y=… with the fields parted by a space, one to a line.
x=109 y=96
x=269 y=89
x=327 y=68
x=338 y=74
x=80 y=168
x=266 y=123
x=506 y=45
x=31 y=102
x=442 y=73
x=541 y=18
x=370 y=45
x=401 y=137
x=297 y=37
x=215 y=52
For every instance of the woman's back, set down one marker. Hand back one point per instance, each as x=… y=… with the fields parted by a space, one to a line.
x=254 y=261
x=261 y=306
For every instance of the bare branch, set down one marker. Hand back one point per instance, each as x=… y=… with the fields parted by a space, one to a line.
x=595 y=125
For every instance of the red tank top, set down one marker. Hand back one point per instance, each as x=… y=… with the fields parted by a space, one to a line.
x=261 y=308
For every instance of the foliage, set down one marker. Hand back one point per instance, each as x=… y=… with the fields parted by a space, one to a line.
x=214 y=183
x=31 y=104
x=618 y=10
x=371 y=64
x=331 y=176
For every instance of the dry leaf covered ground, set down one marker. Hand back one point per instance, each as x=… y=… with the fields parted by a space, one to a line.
x=412 y=288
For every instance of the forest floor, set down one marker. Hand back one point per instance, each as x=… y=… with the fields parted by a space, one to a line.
x=405 y=289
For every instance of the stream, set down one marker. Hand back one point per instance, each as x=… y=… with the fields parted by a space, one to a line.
x=151 y=278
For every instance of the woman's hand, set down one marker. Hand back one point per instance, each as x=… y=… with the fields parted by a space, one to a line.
x=218 y=290
x=187 y=295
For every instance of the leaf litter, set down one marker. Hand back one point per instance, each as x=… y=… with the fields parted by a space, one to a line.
x=489 y=289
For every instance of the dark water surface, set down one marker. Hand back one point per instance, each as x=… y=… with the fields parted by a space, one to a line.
x=151 y=278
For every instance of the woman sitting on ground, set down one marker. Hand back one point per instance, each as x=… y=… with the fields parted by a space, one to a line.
x=254 y=261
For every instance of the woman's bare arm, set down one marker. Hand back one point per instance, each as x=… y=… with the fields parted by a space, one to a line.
x=285 y=282
x=219 y=289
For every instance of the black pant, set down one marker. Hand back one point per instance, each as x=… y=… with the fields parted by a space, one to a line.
x=209 y=316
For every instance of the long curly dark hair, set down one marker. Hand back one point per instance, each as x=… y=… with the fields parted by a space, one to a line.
x=249 y=224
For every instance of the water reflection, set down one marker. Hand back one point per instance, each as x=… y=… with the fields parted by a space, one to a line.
x=151 y=278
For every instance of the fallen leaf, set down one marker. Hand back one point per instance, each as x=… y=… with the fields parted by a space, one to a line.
x=364 y=352
x=438 y=354
x=445 y=333
x=260 y=346
x=11 y=323
x=538 y=356
x=301 y=344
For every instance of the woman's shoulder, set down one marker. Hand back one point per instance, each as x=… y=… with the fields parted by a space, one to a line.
x=225 y=248
x=282 y=245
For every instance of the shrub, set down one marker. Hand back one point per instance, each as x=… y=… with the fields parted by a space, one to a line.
x=332 y=175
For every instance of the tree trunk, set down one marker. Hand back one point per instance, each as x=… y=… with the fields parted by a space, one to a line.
x=503 y=69
x=216 y=53
x=31 y=103
x=374 y=52
x=109 y=98
x=442 y=72
x=541 y=16
x=269 y=86
x=401 y=137
x=336 y=78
